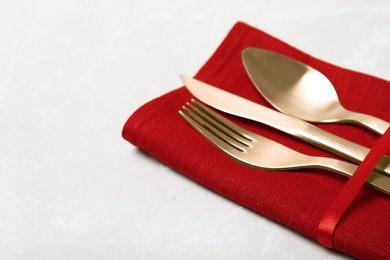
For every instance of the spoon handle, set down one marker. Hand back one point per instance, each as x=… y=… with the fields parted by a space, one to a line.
x=373 y=123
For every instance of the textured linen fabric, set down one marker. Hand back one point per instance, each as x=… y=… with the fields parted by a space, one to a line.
x=298 y=199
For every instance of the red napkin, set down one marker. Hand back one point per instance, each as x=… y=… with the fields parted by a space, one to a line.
x=297 y=199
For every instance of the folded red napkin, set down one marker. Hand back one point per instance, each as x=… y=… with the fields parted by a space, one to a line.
x=297 y=199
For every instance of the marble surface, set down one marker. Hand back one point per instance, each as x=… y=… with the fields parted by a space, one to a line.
x=72 y=71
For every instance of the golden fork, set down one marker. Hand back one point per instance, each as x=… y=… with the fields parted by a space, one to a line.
x=258 y=151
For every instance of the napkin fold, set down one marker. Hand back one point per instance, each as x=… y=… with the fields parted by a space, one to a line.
x=298 y=199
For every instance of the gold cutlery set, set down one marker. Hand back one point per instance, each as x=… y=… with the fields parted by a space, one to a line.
x=302 y=95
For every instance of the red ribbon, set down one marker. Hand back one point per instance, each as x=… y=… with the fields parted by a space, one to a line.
x=350 y=190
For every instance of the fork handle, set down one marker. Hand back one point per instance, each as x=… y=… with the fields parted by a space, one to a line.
x=376 y=180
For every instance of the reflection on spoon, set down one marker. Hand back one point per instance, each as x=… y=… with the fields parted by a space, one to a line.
x=299 y=90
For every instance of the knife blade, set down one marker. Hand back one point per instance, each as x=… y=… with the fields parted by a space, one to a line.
x=241 y=107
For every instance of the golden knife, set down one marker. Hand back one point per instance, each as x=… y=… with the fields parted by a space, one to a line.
x=238 y=106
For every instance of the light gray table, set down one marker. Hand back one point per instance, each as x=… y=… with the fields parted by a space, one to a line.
x=72 y=71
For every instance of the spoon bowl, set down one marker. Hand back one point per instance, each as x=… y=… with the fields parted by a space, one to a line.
x=299 y=90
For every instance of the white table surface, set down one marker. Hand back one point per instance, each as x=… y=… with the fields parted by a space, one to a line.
x=72 y=71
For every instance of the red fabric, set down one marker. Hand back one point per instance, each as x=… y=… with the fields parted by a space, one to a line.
x=297 y=199
x=351 y=189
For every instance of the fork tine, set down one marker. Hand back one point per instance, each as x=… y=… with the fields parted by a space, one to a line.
x=225 y=122
x=218 y=142
x=212 y=118
x=217 y=133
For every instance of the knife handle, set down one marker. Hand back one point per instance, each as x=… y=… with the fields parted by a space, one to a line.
x=339 y=146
